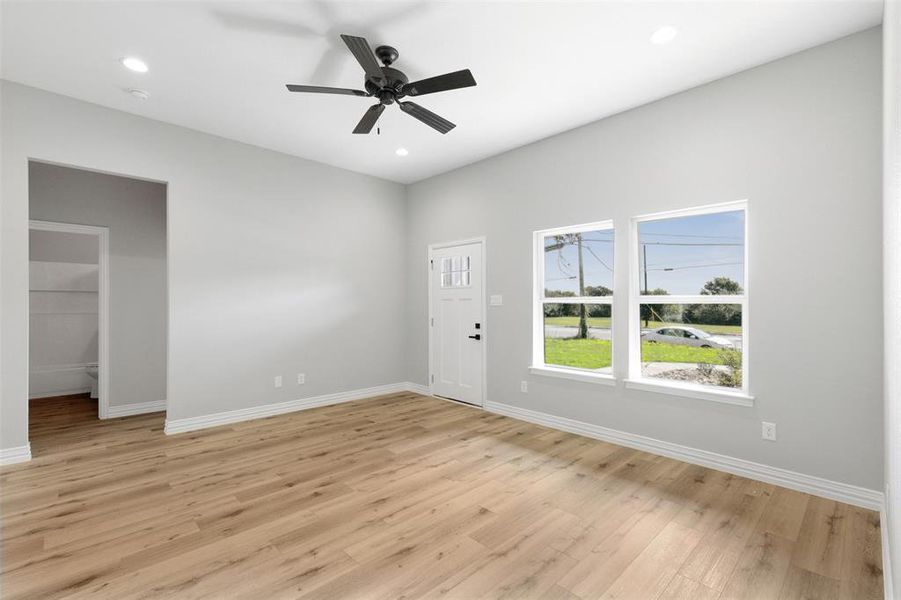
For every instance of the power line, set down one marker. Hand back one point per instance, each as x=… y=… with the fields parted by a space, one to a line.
x=606 y=266
x=688 y=244
x=559 y=246
x=694 y=266
x=692 y=235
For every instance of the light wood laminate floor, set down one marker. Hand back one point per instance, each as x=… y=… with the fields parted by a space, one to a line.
x=403 y=497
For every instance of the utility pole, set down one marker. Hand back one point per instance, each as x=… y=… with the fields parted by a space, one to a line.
x=644 y=258
x=583 y=311
x=644 y=254
x=651 y=312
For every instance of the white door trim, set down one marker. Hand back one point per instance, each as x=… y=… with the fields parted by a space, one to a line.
x=102 y=234
x=481 y=240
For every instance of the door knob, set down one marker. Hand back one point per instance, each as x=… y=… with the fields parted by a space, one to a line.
x=475 y=337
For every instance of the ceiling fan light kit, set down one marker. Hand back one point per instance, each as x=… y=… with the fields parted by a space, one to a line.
x=389 y=85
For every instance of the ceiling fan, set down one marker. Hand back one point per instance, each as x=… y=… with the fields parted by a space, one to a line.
x=390 y=85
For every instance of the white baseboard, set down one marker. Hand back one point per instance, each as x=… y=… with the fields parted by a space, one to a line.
x=127 y=410
x=833 y=490
x=268 y=410
x=418 y=388
x=11 y=456
x=54 y=394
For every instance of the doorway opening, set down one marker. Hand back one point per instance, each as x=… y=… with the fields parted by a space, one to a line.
x=98 y=298
x=68 y=274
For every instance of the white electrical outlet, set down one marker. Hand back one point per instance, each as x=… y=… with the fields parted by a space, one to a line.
x=768 y=431
x=301 y=378
x=278 y=381
x=524 y=387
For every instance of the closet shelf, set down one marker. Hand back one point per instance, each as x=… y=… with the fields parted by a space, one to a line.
x=35 y=313
x=68 y=291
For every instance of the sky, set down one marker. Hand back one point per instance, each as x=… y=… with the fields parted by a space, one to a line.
x=561 y=267
x=682 y=254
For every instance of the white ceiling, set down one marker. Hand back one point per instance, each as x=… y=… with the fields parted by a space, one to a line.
x=541 y=68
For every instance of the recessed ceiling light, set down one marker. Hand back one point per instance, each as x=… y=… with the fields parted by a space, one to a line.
x=664 y=35
x=135 y=64
x=402 y=152
x=140 y=94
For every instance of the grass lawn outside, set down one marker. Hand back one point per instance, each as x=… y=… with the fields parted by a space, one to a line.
x=604 y=323
x=582 y=354
x=595 y=354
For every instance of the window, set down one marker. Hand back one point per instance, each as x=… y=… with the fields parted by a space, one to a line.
x=689 y=300
x=456 y=272
x=573 y=312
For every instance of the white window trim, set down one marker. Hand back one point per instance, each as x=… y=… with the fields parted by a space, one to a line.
x=689 y=390
x=635 y=380
x=574 y=374
x=539 y=367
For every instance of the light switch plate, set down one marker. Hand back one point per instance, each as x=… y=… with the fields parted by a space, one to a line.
x=496 y=300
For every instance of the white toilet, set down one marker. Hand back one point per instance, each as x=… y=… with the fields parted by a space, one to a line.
x=92 y=370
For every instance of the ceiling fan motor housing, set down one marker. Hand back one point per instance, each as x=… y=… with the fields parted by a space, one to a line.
x=392 y=89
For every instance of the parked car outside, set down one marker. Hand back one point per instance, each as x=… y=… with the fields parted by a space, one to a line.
x=686 y=336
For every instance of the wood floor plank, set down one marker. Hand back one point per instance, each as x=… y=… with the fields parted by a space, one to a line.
x=714 y=561
x=784 y=513
x=683 y=588
x=761 y=569
x=801 y=584
x=862 y=556
x=820 y=547
x=402 y=496
x=649 y=575
x=605 y=563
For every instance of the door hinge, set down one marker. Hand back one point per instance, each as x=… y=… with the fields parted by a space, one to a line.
x=432 y=378
x=432 y=264
x=432 y=321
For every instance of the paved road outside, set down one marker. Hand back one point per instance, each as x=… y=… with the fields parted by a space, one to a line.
x=598 y=333
x=557 y=331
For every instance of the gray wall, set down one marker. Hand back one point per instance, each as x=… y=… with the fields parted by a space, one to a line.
x=800 y=139
x=277 y=265
x=60 y=246
x=892 y=286
x=135 y=213
x=63 y=308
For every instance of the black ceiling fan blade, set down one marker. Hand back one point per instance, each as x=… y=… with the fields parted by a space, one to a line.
x=369 y=118
x=441 y=83
x=315 y=89
x=362 y=51
x=437 y=123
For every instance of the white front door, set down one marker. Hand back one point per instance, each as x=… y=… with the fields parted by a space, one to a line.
x=457 y=322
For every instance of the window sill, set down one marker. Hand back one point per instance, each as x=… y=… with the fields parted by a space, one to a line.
x=588 y=377
x=691 y=391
